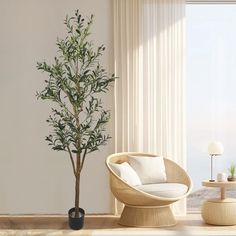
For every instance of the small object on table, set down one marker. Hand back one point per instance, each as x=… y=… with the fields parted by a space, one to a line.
x=219 y=211
x=231 y=179
x=232 y=170
x=221 y=177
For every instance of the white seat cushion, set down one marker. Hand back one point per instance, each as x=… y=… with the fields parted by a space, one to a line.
x=151 y=170
x=169 y=190
x=127 y=173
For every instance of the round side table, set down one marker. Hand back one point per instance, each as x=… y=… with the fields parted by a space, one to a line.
x=219 y=211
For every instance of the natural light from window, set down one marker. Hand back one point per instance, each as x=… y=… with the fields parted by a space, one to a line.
x=211 y=88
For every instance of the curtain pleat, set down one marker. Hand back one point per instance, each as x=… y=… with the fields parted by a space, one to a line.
x=149 y=49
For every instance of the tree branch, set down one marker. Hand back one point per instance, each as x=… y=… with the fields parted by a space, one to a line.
x=83 y=159
x=65 y=107
x=72 y=160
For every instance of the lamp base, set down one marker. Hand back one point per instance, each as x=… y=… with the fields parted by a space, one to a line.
x=211 y=180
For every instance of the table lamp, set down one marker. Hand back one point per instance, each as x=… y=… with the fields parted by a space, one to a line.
x=214 y=149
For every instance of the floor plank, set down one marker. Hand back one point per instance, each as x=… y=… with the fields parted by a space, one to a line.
x=57 y=225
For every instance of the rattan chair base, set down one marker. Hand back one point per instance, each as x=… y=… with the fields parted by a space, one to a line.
x=147 y=216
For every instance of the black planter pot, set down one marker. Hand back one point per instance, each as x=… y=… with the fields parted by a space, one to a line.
x=76 y=223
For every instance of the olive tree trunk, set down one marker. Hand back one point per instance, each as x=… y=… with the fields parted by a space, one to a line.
x=77 y=187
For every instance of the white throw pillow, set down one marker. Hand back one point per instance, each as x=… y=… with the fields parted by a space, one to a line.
x=127 y=173
x=151 y=170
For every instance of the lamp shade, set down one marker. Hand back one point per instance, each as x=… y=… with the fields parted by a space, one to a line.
x=215 y=148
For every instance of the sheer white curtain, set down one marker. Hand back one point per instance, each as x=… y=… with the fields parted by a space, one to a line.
x=149 y=49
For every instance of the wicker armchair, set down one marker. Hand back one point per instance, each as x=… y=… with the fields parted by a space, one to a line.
x=143 y=209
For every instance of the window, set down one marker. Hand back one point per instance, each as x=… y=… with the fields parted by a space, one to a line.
x=211 y=91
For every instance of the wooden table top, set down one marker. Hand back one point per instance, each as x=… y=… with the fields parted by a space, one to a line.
x=226 y=184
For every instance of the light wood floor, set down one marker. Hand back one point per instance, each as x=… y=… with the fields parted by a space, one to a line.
x=102 y=225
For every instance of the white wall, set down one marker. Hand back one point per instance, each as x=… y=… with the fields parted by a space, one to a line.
x=33 y=178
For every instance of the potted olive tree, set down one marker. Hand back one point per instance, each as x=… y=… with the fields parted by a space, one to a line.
x=75 y=83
